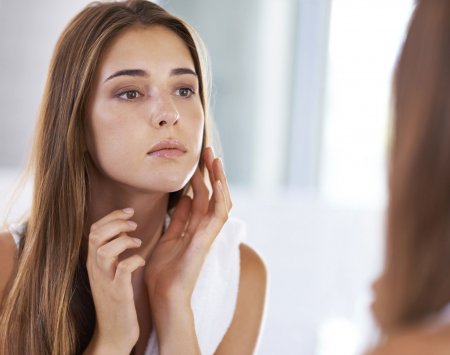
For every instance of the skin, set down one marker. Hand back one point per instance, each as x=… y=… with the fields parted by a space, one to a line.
x=141 y=276
x=8 y=261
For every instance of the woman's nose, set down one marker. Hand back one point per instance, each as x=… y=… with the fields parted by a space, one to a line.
x=165 y=113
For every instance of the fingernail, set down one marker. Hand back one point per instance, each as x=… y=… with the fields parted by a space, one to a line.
x=128 y=210
x=132 y=224
x=137 y=241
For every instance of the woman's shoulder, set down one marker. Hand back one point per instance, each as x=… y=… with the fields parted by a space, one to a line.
x=250 y=305
x=417 y=341
x=252 y=283
x=8 y=259
x=253 y=267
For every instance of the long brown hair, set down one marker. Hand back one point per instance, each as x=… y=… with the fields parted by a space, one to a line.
x=416 y=284
x=49 y=309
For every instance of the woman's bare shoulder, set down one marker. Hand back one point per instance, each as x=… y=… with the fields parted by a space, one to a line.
x=252 y=265
x=8 y=259
x=249 y=310
x=418 y=341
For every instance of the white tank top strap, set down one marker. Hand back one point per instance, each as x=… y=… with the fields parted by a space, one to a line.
x=17 y=231
x=215 y=294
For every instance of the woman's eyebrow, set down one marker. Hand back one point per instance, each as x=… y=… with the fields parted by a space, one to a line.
x=182 y=71
x=128 y=72
x=143 y=73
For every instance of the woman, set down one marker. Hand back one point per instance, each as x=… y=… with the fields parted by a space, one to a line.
x=125 y=250
x=413 y=294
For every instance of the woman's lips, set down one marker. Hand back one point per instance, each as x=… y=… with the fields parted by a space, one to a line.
x=167 y=149
x=167 y=153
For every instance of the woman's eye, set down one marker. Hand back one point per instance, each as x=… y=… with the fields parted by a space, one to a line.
x=185 y=92
x=129 y=95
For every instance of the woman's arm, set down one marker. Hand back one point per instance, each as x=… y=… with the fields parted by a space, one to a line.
x=242 y=336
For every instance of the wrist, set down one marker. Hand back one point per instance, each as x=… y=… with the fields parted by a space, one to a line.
x=165 y=309
x=101 y=346
x=172 y=317
x=176 y=332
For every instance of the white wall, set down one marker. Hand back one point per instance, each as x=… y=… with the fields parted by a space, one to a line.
x=28 y=33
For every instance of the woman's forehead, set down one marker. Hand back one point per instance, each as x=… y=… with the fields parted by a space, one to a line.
x=148 y=48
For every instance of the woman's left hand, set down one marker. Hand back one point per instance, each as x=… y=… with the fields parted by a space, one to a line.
x=175 y=264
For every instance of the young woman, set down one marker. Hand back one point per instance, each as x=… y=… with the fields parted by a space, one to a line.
x=413 y=295
x=126 y=249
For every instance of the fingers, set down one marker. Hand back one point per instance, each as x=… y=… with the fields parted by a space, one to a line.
x=204 y=227
x=108 y=239
x=107 y=254
x=210 y=226
x=216 y=173
x=126 y=267
x=200 y=202
x=201 y=193
x=219 y=174
x=102 y=234
x=126 y=213
x=220 y=205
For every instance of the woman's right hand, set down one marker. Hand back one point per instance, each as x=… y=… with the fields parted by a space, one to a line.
x=117 y=327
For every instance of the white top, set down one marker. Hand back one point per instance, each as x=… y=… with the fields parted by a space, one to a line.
x=215 y=294
x=17 y=231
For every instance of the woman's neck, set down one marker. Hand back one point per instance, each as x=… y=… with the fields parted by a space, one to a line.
x=150 y=211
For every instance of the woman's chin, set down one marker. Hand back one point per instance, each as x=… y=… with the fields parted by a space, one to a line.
x=173 y=184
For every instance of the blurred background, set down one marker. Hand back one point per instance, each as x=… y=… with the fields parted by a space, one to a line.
x=301 y=99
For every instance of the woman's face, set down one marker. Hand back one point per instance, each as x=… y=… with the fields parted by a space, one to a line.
x=144 y=125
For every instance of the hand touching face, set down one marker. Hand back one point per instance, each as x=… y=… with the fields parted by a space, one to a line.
x=145 y=121
x=176 y=261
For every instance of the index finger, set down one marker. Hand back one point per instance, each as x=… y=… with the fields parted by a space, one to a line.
x=117 y=214
x=201 y=193
x=219 y=173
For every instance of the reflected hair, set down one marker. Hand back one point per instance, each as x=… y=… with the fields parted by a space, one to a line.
x=49 y=308
x=415 y=282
